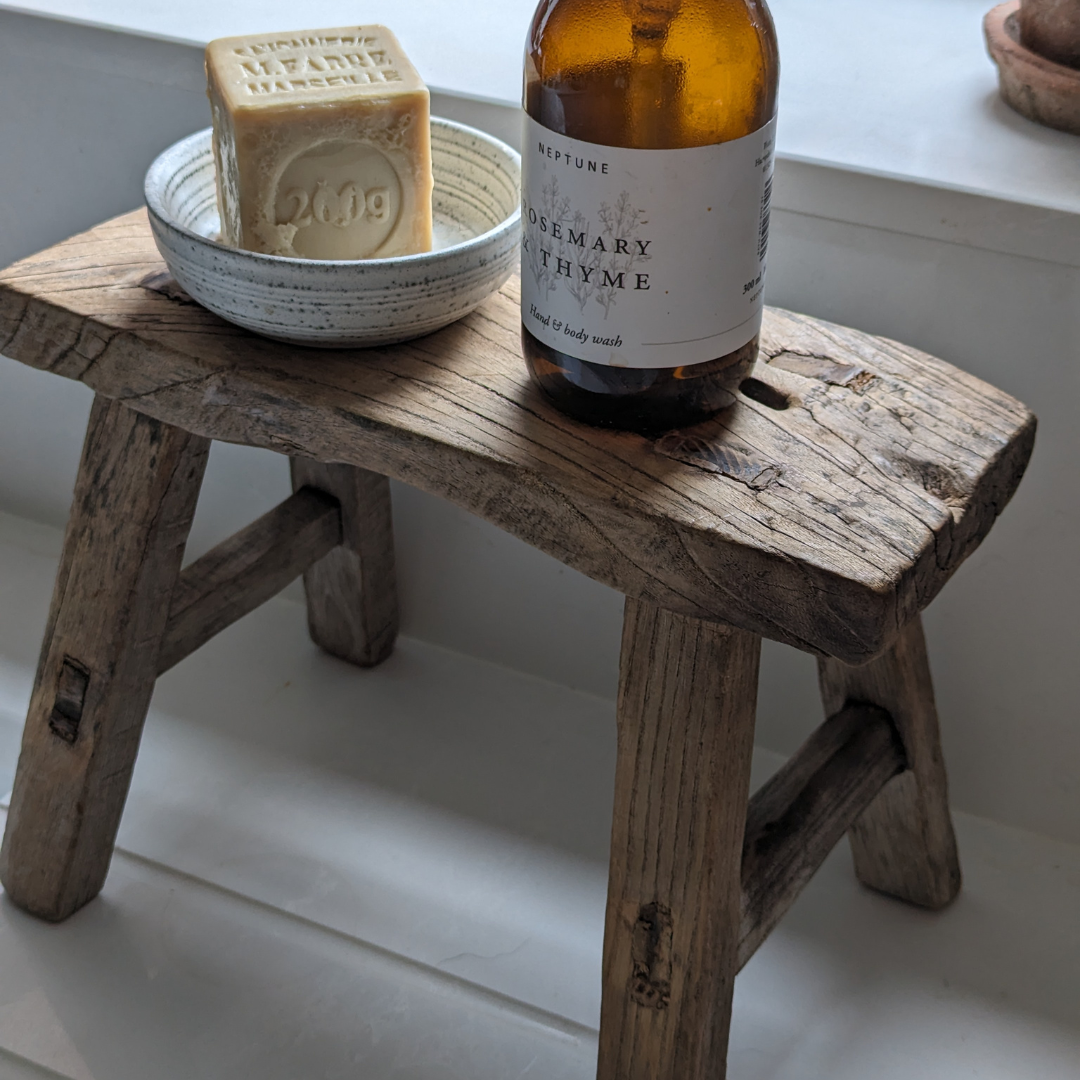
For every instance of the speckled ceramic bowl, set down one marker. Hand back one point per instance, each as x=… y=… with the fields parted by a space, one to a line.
x=477 y=214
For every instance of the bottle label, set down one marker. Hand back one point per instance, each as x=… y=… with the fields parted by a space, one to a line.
x=644 y=258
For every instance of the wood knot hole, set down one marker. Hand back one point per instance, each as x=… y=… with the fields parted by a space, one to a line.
x=650 y=952
x=937 y=479
x=764 y=394
x=70 y=700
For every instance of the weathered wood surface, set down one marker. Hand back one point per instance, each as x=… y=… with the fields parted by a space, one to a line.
x=880 y=477
x=352 y=591
x=685 y=734
x=247 y=569
x=134 y=499
x=803 y=811
x=904 y=843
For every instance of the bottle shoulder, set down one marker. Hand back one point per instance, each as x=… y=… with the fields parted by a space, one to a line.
x=565 y=32
x=652 y=72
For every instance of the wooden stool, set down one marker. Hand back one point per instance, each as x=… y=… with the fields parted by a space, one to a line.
x=826 y=509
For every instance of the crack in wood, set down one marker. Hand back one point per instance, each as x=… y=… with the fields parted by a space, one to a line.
x=162 y=282
x=719 y=457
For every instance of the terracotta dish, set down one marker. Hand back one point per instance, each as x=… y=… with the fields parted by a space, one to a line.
x=1038 y=88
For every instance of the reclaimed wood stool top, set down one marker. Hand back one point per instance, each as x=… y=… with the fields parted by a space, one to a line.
x=825 y=509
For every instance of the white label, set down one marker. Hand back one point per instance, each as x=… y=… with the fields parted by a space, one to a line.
x=644 y=258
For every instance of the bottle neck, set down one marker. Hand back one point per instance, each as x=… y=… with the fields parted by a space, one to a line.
x=651 y=19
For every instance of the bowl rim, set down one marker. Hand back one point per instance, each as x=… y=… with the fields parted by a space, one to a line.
x=161 y=171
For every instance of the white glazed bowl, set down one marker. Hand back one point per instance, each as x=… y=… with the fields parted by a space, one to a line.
x=337 y=304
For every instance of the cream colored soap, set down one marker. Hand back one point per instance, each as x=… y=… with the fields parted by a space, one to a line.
x=322 y=142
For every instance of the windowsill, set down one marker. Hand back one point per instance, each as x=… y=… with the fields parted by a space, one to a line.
x=905 y=91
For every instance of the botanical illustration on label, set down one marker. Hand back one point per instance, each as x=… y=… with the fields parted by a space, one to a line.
x=644 y=258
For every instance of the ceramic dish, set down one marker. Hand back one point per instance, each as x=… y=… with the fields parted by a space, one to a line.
x=333 y=304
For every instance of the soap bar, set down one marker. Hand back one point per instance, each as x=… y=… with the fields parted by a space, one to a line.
x=322 y=141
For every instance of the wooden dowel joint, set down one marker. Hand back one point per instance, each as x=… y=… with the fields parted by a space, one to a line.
x=650 y=951
x=70 y=699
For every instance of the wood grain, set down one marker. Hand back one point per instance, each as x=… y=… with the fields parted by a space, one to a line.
x=247 y=569
x=904 y=843
x=352 y=590
x=847 y=512
x=134 y=499
x=800 y=815
x=685 y=733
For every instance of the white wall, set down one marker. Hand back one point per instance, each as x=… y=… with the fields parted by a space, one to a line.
x=1003 y=634
x=88 y=109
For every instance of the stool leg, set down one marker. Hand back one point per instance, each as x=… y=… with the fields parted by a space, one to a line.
x=352 y=592
x=903 y=843
x=134 y=500
x=686 y=727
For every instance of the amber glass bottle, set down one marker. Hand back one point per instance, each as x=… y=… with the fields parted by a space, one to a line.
x=647 y=165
